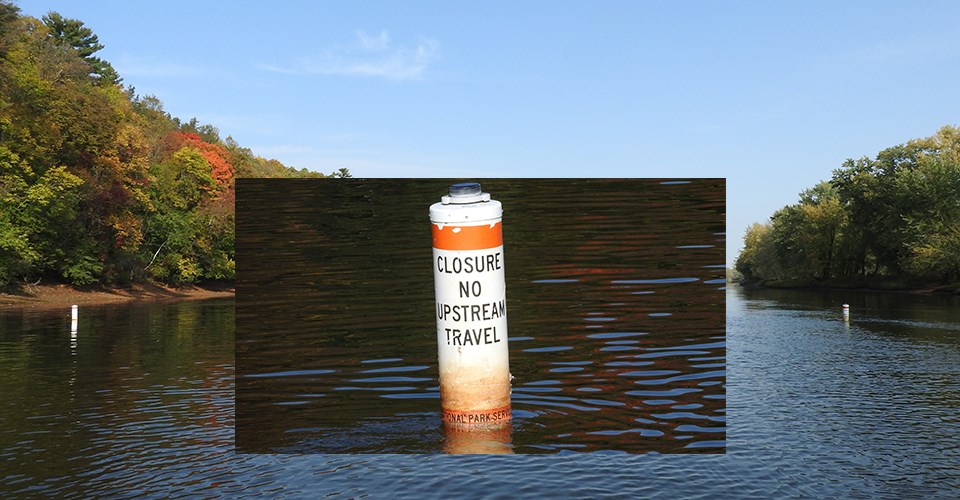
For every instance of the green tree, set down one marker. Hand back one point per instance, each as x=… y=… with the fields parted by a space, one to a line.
x=37 y=230
x=903 y=200
x=822 y=221
x=758 y=261
x=894 y=216
x=180 y=183
x=72 y=33
x=191 y=233
x=803 y=240
x=9 y=15
x=938 y=255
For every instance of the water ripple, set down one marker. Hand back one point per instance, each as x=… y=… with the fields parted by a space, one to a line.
x=290 y=373
x=654 y=281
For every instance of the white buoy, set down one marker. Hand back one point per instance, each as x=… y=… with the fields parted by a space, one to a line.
x=74 y=319
x=468 y=270
x=846 y=312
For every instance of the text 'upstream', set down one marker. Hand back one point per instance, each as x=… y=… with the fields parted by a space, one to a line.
x=472 y=312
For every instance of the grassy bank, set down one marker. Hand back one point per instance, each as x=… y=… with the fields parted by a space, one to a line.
x=54 y=296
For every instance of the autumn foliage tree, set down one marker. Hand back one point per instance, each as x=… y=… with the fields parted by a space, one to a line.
x=98 y=184
x=217 y=157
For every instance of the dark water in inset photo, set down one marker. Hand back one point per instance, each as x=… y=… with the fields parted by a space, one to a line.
x=615 y=310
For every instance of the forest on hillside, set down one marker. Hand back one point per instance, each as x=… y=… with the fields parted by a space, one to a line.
x=893 y=220
x=99 y=184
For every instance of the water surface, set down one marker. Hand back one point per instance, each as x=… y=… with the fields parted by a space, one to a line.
x=142 y=404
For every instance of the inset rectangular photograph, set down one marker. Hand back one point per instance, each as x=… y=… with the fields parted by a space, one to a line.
x=528 y=316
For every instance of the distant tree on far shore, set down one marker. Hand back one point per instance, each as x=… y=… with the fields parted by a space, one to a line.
x=897 y=216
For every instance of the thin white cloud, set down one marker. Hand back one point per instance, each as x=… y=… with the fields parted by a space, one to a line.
x=369 y=55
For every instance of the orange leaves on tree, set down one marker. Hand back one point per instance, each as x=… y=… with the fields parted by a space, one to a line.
x=221 y=169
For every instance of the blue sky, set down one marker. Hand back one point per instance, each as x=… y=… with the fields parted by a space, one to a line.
x=771 y=95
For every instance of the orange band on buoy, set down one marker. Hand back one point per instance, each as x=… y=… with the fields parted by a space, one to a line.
x=467 y=237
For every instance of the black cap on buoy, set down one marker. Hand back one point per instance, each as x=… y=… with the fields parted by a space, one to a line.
x=464 y=193
x=465 y=189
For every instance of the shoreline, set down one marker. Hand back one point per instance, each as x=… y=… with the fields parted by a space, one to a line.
x=925 y=290
x=56 y=296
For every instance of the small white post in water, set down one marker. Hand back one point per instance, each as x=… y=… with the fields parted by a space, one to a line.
x=74 y=316
x=846 y=312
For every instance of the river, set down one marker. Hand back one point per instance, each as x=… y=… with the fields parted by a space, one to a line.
x=141 y=403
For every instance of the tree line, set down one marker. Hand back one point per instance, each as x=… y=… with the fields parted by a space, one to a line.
x=99 y=184
x=894 y=218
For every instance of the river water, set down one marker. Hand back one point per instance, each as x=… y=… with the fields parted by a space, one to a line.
x=141 y=403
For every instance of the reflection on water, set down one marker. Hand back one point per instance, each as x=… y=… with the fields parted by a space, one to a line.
x=615 y=307
x=484 y=440
x=134 y=393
